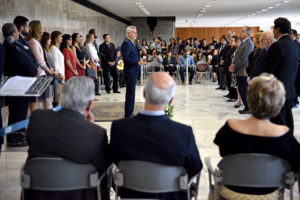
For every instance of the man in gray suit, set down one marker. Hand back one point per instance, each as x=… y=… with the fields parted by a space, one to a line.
x=241 y=62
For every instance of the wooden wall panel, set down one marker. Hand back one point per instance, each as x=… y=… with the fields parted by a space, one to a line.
x=208 y=32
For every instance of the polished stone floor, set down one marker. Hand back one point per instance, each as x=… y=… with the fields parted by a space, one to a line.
x=199 y=105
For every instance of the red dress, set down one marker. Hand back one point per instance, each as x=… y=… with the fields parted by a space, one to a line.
x=69 y=56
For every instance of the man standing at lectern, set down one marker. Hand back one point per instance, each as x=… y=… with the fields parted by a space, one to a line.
x=131 y=68
x=17 y=63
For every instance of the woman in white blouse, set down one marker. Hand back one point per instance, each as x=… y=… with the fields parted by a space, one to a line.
x=34 y=37
x=56 y=39
x=93 y=57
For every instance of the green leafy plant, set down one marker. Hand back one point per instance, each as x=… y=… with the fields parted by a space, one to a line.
x=169 y=110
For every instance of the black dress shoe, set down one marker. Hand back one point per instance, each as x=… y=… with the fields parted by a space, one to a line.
x=237 y=106
x=227 y=95
x=219 y=88
x=244 y=111
x=117 y=91
x=108 y=91
x=97 y=93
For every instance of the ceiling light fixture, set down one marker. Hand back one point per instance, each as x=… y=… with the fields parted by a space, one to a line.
x=207 y=6
x=203 y=11
x=264 y=10
x=278 y=4
x=270 y=7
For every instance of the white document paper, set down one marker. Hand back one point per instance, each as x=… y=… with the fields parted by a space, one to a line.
x=17 y=86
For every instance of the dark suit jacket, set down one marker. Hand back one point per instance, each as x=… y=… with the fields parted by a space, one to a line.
x=173 y=61
x=107 y=54
x=2 y=57
x=24 y=42
x=282 y=61
x=155 y=139
x=68 y=135
x=227 y=57
x=17 y=63
x=131 y=58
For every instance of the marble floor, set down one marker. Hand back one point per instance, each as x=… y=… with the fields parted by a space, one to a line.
x=199 y=105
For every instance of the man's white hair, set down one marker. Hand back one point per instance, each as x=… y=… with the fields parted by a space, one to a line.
x=157 y=96
x=129 y=29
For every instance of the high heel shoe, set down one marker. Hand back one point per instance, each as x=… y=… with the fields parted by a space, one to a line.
x=237 y=105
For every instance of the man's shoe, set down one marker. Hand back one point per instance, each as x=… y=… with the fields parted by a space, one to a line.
x=108 y=91
x=244 y=111
x=116 y=91
x=227 y=95
x=191 y=83
x=219 y=88
x=183 y=83
x=97 y=94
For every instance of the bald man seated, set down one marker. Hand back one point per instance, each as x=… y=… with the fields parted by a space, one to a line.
x=152 y=136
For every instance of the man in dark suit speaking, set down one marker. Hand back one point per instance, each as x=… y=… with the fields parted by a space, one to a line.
x=70 y=134
x=131 y=67
x=282 y=61
x=152 y=136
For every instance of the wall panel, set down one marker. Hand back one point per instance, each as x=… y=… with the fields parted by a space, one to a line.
x=208 y=32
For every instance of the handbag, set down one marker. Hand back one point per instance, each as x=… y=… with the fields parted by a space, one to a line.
x=91 y=72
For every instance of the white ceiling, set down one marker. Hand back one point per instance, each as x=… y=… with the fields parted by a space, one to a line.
x=220 y=12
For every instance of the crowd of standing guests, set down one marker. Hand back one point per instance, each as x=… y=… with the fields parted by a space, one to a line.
x=59 y=54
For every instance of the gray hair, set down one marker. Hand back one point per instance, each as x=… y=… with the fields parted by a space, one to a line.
x=129 y=29
x=77 y=93
x=8 y=29
x=157 y=96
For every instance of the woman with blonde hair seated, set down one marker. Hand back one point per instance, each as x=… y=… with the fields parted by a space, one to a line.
x=257 y=134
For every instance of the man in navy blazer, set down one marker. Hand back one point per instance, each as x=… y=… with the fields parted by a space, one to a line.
x=282 y=61
x=152 y=136
x=131 y=67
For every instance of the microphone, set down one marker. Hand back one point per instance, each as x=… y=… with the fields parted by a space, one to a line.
x=11 y=40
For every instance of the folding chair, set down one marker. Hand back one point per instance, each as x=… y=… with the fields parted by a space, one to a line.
x=150 y=177
x=58 y=174
x=251 y=170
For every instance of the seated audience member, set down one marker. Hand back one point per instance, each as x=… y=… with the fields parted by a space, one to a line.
x=70 y=134
x=186 y=61
x=17 y=63
x=257 y=134
x=170 y=64
x=201 y=64
x=152 y=136
x=155 y=60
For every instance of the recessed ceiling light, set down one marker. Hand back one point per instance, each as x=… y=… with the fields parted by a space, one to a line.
x=207 y=6
x=138 y=3
x=264 y=10
x=199 y=15
x=203 y=11
x=253 y=14
x=285 y=1
x=278 y=4
x=270 y=7
x=141 y=6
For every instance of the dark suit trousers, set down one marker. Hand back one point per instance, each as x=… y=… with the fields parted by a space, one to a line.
x=285 y=117
x=107 y=72
x=190 y=70
x=243 y=86
x=18 y=108
x=130 y=96
x=222 y=75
